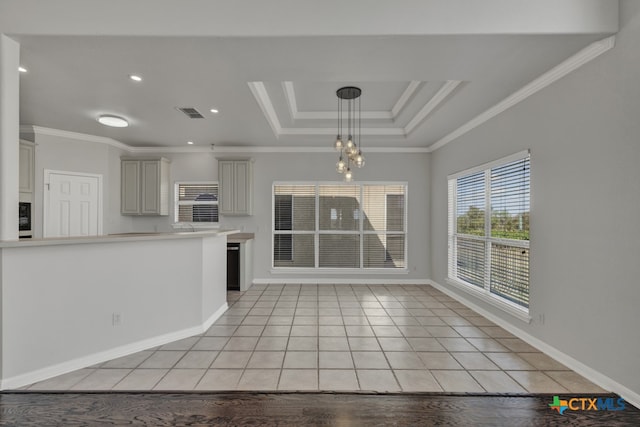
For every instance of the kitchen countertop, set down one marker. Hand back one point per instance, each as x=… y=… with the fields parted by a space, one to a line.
x=239 y=237
x=113 y=238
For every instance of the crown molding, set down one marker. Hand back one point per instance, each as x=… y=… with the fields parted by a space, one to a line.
x=333 y=115
x=443 y=93
x=85 y=137
x=264 y=101
x=556 y=73
x=251 y=149
x=404 y=98
x=290 y=95
x=174 y=150
x=259 y=92
x=328 y=131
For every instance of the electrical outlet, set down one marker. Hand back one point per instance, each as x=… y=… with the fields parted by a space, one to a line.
x=116 y=319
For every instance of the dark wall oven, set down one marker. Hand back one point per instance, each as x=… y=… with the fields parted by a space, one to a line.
x=24 y=220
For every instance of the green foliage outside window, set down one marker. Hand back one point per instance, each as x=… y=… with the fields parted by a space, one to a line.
x=503 y=224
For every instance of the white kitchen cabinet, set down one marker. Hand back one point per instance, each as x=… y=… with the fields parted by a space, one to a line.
x=26 y=167
x=236 y=187
x=144 y=186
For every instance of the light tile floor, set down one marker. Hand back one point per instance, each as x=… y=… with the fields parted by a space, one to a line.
x=338 y=338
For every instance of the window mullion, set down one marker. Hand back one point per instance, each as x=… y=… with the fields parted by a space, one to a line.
x=316 y=238
x=405 y=222
x=361 y=227
x=453 y=217
x=273 y=225
x=487 y=229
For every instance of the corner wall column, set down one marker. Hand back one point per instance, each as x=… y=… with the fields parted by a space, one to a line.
x=9 y=137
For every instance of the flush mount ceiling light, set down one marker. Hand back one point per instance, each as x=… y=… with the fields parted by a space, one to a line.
x=135 y=77
x=190 y=142
x=22 y=69
x=214 y=111
x=350 y=152
x=113 y=121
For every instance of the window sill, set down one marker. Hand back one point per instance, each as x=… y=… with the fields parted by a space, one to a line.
x=301 y=270
x=509 y=308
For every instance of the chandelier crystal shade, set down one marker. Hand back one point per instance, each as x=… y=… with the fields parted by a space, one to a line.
x=350 y=151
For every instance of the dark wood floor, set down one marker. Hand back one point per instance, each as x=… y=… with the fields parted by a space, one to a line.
x=295 y=409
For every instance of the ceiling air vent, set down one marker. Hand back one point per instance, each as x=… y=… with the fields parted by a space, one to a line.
x=191 y=112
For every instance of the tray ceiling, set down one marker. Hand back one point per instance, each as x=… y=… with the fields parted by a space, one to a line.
x=279 y=90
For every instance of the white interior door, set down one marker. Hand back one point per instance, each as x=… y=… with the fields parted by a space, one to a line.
x=72 y=205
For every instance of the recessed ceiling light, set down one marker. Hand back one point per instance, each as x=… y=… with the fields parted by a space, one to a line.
x=190 y=142
x=135 y=77
x=113 y=121
x=22 y=69
x=214 y=111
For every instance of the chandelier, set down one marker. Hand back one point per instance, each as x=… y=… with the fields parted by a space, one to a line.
x=350 y=151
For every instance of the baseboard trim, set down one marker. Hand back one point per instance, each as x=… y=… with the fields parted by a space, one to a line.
x=104 y=356
x=338 y=281
x=593 y=375
x=215 y=316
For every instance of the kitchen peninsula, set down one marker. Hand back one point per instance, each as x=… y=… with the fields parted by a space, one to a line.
x=68 y=303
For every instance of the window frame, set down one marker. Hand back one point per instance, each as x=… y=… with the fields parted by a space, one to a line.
x=484 y=292
x=291 y=248
x=191 y=225
x=361 y=231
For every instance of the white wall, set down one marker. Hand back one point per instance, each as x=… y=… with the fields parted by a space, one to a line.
x=583 y=132
x=58 y=301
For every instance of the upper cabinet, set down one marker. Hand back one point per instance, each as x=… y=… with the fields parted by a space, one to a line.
x=236 y=187
x=26 y=167
x=144 y=186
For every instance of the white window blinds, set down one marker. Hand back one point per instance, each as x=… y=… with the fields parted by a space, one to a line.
x=489 y=228
x=338 y=225
x=294 y=211
x=384 y=227
x=196 y=202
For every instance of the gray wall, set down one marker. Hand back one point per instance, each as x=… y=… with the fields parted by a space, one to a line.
x=583 y=132
x=412 y=168
x=58 y=153
x=73 y=155
x=267 y=168
x=184 y=167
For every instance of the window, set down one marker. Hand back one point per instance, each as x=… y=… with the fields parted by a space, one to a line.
x=339 y=226
x=489 y=229
x=283 y=243
x=196 y=202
